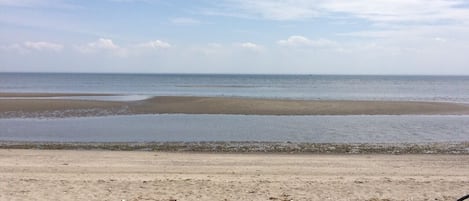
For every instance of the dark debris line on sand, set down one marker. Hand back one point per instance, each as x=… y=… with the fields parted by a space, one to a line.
x=251 y=147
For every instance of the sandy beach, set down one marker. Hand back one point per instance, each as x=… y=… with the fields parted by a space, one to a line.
x=228 y=170
x=234 y=100
x=215 y=105
x=120 y=175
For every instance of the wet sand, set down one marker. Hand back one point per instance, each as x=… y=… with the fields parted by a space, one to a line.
x=120 y=175
x=461 y=148
x=218 y=105
x=221 y=105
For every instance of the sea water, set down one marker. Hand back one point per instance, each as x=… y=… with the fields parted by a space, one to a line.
x=315 y=87
x=183 y=127
x=189 y=128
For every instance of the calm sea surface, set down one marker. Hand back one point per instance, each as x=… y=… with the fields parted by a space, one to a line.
x=426 y=88
x=181 y=127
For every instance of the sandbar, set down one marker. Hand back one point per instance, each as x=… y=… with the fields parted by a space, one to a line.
x=19 y=107
x=253 y=106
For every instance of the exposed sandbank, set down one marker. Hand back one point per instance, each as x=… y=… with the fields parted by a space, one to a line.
x=108 y=175
x=217 y=105
x=222 y=105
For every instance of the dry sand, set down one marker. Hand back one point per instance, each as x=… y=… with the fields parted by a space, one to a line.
x=119 y=175
x=219 y=105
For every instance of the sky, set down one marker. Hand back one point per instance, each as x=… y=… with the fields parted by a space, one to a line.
x=428 y=37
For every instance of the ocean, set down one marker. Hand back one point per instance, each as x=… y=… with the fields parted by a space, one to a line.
x=314 y=87
x=185 y=127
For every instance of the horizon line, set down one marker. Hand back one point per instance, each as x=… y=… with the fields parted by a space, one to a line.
x=191 y=73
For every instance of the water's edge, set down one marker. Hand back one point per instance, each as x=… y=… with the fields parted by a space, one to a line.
x=461 y=148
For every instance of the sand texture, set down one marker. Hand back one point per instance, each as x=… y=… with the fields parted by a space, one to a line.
x=220 y=105
x=252 y=147
x=11 y=108
x=118 y=175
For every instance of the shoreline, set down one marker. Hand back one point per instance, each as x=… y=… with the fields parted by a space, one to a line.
x=451 y=148
x=12 y=108
x=101 y=175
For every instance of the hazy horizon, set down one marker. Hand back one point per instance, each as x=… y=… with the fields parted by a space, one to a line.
x=227 y=73
x=415 y=37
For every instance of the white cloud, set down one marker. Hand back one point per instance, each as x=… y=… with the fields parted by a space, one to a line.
x=103 y=45
x=100 y=44
x=184 y=21
x=392 y=23
x=41 y=45
x=375 y=11
x=250 y=46
x=301 y=41
x=401 y=11
x=156 y=44
x=29 y=46
x=268 y=9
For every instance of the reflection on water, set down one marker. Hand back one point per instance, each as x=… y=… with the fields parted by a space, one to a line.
x=182 y=127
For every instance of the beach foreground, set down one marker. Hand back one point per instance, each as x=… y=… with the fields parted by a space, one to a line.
x=24 y=105
x=121 y=175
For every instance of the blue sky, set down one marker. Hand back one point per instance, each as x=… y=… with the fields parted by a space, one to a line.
x=236 y=36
